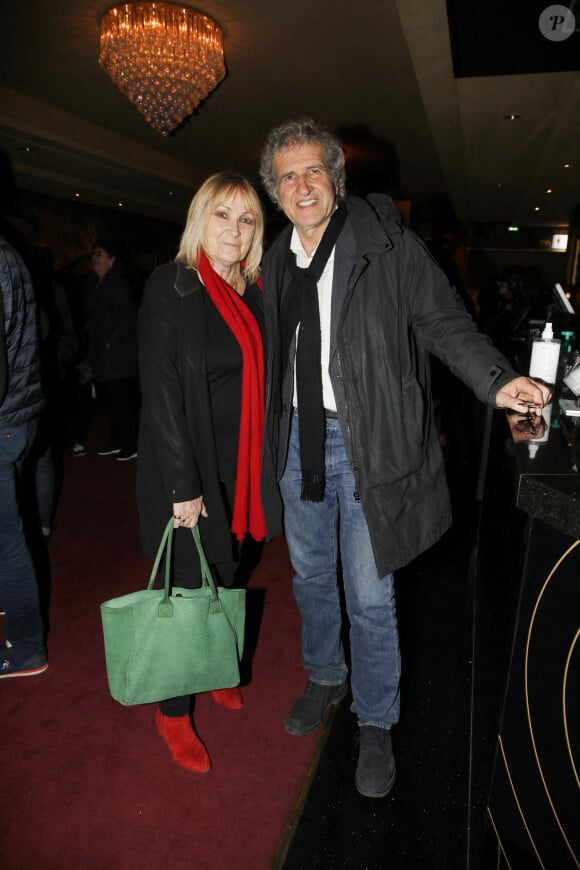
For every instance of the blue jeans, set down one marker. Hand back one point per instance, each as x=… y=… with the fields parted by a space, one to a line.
x=315 y=531
x=45 y=487
x=23 y=625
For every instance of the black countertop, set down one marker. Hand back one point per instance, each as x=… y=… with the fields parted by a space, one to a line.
x=548 y=459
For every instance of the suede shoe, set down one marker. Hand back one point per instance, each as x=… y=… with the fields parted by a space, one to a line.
x=375 y=772
x=307 y=713
x=185 y=747
x=231 y=699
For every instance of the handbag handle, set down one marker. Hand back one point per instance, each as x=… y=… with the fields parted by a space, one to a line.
x=165 y=606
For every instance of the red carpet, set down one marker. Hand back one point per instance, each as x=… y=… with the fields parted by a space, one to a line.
x=87 y=783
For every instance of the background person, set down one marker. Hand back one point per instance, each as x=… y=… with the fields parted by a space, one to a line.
x=21 y=403
x=353 y=305
x=202 y=379
x=58 y=348
x=524 y=300
x=111 y=327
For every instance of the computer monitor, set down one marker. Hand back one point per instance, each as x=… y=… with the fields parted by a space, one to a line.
x=563 y=302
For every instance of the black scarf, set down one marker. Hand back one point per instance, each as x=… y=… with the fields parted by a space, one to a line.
x=300 y=306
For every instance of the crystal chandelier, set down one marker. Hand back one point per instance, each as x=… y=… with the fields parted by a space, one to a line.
x=164 y=57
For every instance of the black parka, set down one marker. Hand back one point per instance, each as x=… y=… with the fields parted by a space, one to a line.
x=111 y=326
x=391 y=306
x=22 y=398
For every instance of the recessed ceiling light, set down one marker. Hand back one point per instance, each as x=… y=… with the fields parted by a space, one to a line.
x=512 y=116
x=536 y=208
x=120 y=204
x=549 y=190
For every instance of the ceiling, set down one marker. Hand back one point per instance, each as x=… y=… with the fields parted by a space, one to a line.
x=383 y=67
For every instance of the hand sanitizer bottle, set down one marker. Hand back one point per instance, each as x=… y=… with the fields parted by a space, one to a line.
x=545 y=356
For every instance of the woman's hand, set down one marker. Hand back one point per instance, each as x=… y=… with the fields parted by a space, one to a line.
x=187 y=513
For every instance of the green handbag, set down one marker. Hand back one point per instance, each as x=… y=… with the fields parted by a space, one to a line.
x=162 y=643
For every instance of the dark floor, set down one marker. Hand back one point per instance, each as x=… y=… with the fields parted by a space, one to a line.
x=424 y=822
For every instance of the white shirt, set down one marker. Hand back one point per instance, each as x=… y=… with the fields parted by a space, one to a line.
x=324 y=307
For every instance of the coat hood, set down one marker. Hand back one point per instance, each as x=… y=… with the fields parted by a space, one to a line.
x=376 y=222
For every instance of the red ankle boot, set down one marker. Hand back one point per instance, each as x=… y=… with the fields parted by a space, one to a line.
x=185 y=746
x=230 y=698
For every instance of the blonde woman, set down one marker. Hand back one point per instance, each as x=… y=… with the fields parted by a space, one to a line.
x=201 y=362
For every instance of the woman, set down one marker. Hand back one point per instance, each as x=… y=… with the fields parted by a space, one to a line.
x=111 y=326
x=201 y=361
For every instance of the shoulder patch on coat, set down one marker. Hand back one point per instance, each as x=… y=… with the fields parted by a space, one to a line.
x=186 y=280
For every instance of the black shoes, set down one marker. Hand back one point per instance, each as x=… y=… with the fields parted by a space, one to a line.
x=125 y=455
x=121 y=455
x=307 y=713
x=109 y=450
x=375 y=772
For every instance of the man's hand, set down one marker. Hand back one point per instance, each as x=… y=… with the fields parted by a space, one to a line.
x=523 y=395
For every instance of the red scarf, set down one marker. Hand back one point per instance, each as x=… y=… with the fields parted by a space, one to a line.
x=248 y=514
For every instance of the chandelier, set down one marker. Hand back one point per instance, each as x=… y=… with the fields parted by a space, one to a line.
x=164 y=57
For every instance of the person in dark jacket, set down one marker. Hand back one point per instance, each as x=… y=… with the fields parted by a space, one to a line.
x=111 y=326
x=58 y=346
x=3 y=356
x=354 y=304
x=201 y=362
x=21 y=403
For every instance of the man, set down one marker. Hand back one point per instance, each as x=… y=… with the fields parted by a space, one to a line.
x=353 y=305
x=3 y=358
x=112 y=330
x=21 y=402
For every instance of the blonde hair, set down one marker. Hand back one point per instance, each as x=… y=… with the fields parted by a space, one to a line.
x=215 y=189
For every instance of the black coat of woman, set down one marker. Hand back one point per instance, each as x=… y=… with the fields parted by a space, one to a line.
x=177 y=445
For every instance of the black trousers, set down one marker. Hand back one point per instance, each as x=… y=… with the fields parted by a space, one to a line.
x=119 y=398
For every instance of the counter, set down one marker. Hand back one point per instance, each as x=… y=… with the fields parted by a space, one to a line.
x=532 y=812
